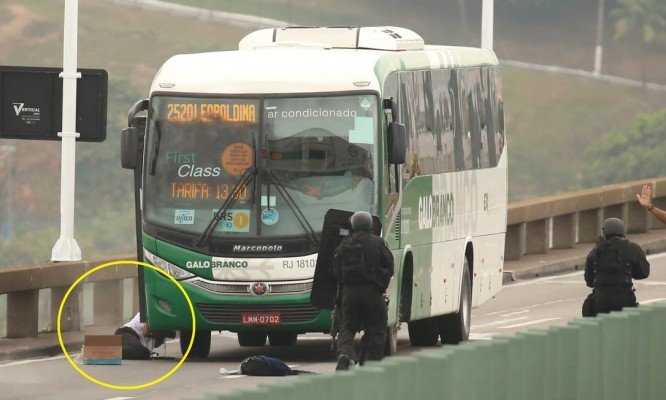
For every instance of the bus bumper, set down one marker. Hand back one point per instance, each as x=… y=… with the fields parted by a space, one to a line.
x=168 y=309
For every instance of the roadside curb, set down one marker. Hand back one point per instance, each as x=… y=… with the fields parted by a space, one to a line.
x=576 y=263
x=25 y=352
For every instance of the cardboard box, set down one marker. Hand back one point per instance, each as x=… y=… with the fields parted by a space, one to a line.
x=102 y=350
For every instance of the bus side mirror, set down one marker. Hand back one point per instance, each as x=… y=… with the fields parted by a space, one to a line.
x=131 y=143
x=131 y=139
x=397 y=143
x=129 y=148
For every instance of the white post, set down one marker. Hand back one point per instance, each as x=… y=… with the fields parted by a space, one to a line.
x=66 y=248
x=598 y=50
x=487 y=14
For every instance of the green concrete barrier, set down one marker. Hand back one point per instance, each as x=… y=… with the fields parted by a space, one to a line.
x=616 y=356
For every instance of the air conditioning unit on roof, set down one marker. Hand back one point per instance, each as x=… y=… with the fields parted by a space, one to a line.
x=376 y=38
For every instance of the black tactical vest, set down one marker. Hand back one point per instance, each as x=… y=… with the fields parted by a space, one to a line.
x=611 y=264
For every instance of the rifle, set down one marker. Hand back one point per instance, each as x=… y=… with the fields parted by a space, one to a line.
x=336 y=315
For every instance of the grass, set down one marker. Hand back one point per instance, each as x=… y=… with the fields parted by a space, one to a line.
x=552 y=120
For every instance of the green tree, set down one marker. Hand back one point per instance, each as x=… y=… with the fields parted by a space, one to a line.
x=625 y=156
x=646 y=18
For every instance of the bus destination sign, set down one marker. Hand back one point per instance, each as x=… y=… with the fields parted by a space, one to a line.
x=209 y=113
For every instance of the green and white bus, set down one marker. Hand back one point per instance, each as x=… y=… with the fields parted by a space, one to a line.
x=245 y=151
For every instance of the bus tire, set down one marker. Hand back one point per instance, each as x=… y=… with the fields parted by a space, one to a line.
x=200 y=347
x=391 y=342
x=252 y=339
x=423 y=332
x=454 y=328
x=282 y=338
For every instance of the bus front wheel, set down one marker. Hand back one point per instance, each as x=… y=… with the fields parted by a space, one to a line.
x=454 y=328
x=282 y=338
x=252 y=339
x=201 y=345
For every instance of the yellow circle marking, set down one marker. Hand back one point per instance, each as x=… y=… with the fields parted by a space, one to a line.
x=241 y=220
x=126 y=387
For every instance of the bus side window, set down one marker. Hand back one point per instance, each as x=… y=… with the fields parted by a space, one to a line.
x=408 y=115
x=490 y=114
x=462 y=134
x=443 y=130
x=391 y=92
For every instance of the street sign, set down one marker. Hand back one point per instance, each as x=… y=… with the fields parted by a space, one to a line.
x=31 y=103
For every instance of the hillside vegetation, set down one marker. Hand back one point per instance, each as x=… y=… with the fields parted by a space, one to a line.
x=552 y=121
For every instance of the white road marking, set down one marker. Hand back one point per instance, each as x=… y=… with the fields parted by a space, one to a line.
x=541 y=280
x=498 y=322
x=655 y=256
x=649 y=283
x=481 y=336
x=652 y=300
x=560 y=301
x=34 y=360
x=514 y=313
x=538 y=321
x=120 y=398
x=513 y=309
x=234 y=376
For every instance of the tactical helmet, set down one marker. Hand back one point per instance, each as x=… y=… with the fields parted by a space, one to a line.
x=361 y=221
x=613 y=226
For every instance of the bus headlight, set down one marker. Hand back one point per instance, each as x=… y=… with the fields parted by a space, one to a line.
x=176 y=272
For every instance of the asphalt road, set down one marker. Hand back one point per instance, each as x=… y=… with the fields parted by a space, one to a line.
x=536 y=303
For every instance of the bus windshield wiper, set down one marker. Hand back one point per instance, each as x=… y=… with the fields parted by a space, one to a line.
x=228 y=202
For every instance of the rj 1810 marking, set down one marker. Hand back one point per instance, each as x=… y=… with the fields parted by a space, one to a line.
x=436 y=210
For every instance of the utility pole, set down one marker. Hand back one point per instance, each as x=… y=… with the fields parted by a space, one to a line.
x=66 y=248
x=487 y=15
x=598 y=50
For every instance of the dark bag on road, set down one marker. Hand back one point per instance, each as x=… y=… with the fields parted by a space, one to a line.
x=133 y=349
x=265 y=366
x=588 y=306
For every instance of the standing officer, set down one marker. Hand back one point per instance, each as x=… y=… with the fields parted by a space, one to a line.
x=363 y=266
x=610 y=266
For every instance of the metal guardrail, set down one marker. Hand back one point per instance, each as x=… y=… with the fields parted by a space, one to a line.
x=533 y=227
x=607 y=357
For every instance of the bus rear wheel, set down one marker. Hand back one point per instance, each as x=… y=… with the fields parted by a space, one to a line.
x=200 y=347
x=454 y=328
x=423 y=332
x=282 y=338
x=252 y=339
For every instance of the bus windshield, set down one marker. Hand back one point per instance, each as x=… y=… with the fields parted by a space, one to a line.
x=310 y=154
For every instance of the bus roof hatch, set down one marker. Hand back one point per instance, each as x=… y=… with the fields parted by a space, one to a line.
x=377 y=38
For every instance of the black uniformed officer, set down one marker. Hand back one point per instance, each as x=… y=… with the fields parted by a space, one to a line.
x=363 y=265
x=610 y=267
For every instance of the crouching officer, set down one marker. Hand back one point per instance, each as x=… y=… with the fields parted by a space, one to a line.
x=139 y=341
x=609 y=269
x=363 y=266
